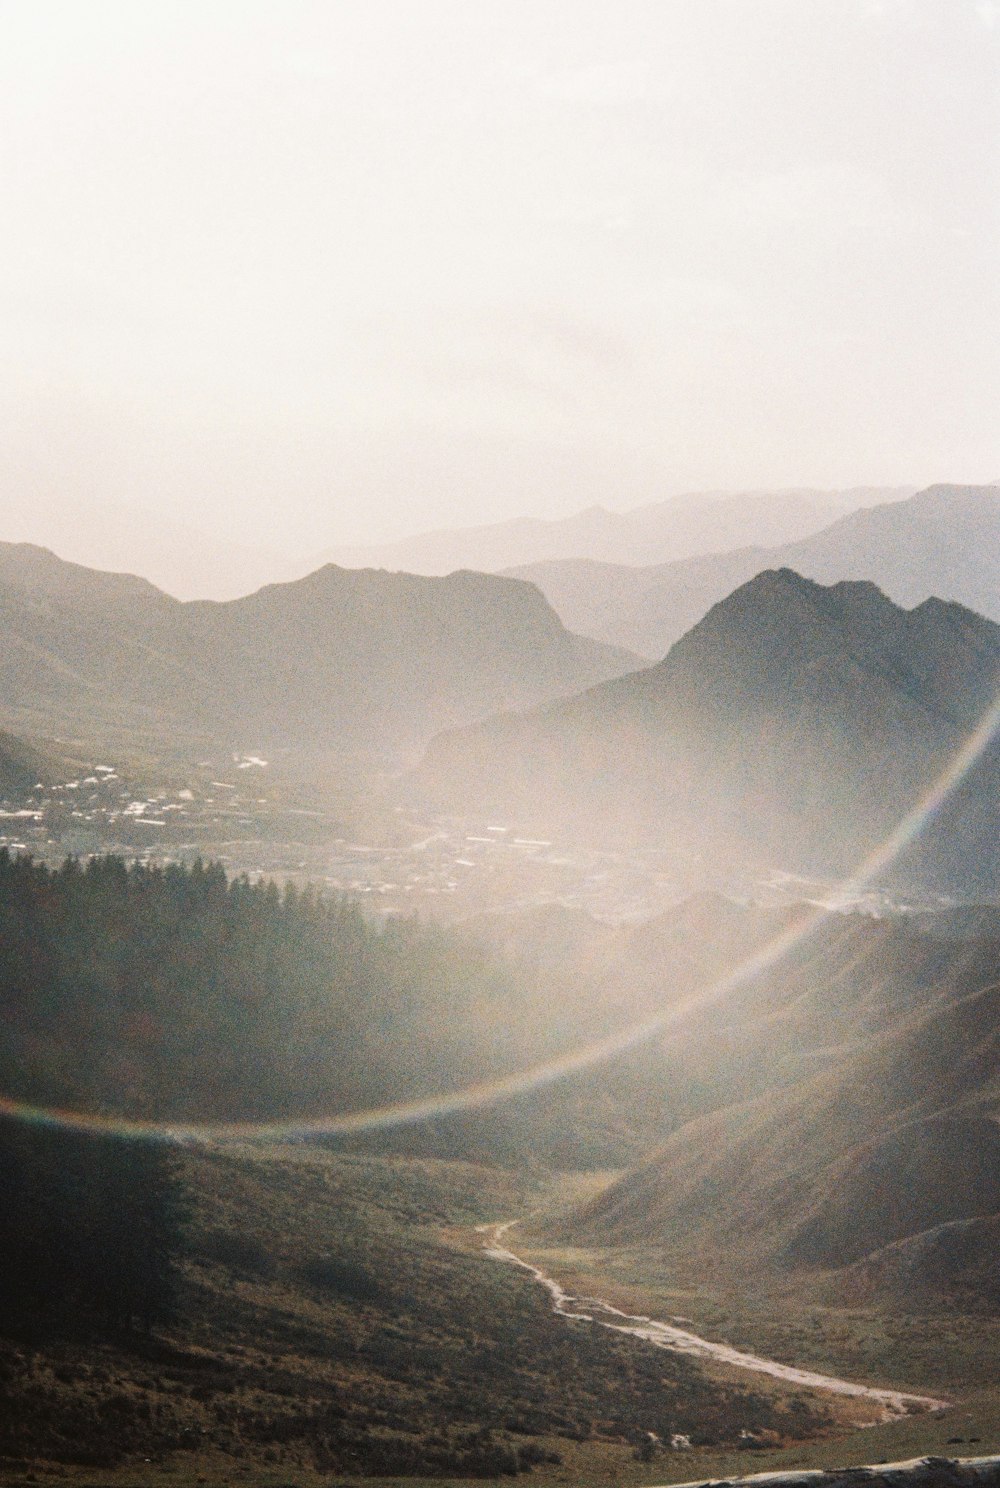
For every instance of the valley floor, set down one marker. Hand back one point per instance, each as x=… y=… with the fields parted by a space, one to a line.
x=340 y=1323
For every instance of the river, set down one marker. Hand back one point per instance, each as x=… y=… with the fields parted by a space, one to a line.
x=678 y=1340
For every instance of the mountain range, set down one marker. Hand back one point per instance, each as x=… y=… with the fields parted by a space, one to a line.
x=357 y=661
x=944 y=541
x=679 y=527
x=795 y=723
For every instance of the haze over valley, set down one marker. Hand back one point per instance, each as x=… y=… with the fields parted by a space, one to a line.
x=677 y=978
x=500 y=744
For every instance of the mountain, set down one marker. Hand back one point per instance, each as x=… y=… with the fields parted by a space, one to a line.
x=185 y=560
x=944 y=541
x=832 y=1116
x=842 y=980
x=342 y=659
x=794 y=723
x=703 y=522
x=887 y=1159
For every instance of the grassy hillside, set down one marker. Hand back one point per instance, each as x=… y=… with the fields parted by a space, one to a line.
x=337 y=1317
x=895 y=1142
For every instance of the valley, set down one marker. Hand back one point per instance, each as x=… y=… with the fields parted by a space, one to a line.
x=544 y=978
x=334 y=1311
x=317 y=1285
x=500 y=744
x=381 y=1264
x=669 y=1336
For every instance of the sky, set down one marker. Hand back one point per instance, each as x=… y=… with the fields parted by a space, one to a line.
x=305 y=273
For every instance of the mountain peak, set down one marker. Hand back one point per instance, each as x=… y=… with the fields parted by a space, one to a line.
x=795 y=721
x=778 y=619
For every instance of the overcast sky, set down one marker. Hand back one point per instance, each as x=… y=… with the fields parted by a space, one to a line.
x=324 y=271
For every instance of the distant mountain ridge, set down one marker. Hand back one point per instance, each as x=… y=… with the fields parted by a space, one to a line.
x=944 y=541
x=359 y=661
x=795 y=723
x=681 y=526
x=187 y=561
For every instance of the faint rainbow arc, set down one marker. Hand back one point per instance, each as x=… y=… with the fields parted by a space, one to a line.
x=491 y=1092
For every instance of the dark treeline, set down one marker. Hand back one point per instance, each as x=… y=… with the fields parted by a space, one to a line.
x=175 y=995
x=89 y=1226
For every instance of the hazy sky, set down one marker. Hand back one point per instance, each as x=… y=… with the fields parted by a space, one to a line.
x=342 y=270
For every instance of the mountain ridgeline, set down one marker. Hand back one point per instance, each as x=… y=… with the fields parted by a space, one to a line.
x=676 y=528
x=943 y=542
x=359 y=661
x=794 y=724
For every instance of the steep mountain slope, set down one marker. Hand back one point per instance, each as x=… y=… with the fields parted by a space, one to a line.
x=895 y=1140
x=945 y=541
x=794 y=722
x=339 y=660
x=703 y=522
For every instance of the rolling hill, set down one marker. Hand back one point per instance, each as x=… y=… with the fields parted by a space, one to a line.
x=357 y=661
x=944 y=541
x=795 y=724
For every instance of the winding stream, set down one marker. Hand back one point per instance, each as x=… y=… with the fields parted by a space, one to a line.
x=679 y=1340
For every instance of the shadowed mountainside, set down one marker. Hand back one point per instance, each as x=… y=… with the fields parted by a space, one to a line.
x=859 y=1166
x=794 y=723
x=945 y=541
